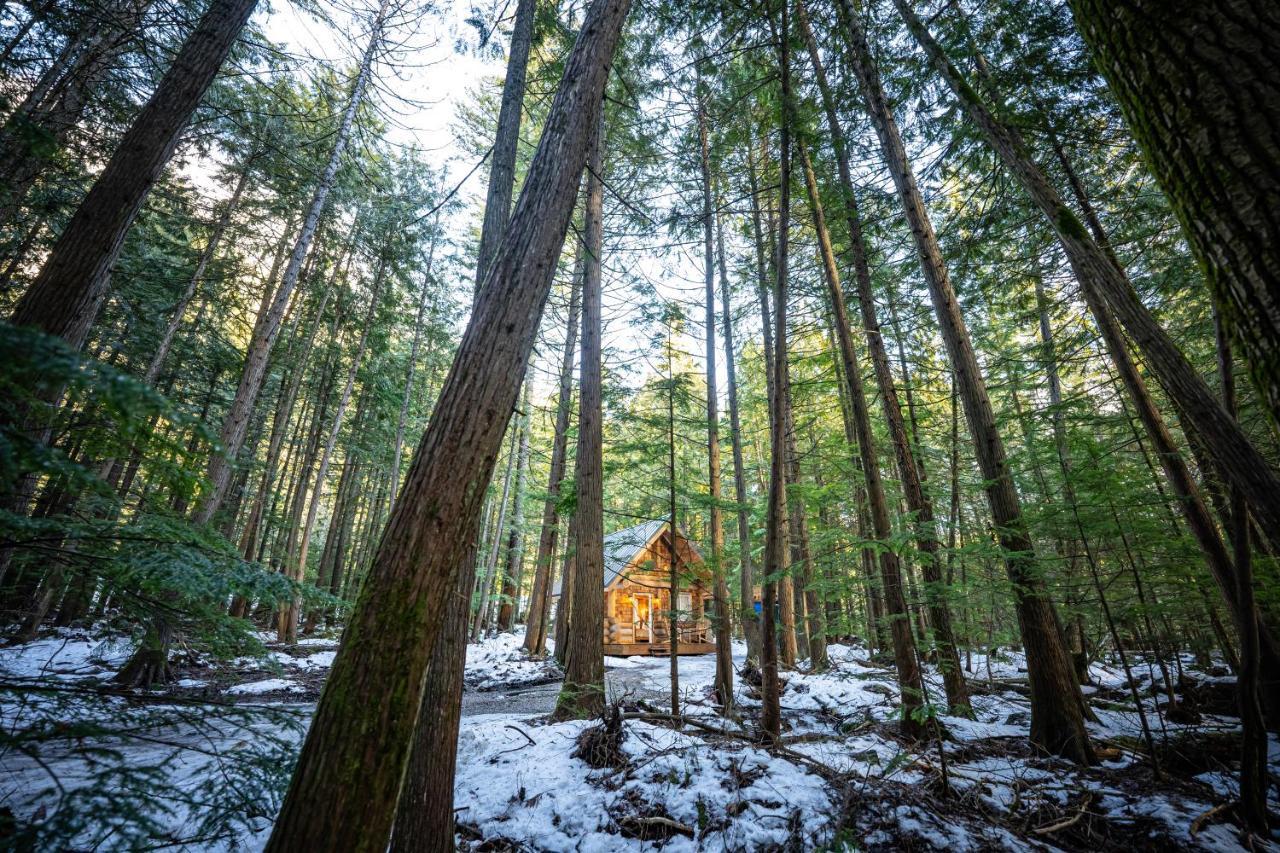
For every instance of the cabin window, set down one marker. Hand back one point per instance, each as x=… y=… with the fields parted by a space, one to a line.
x=684 y=603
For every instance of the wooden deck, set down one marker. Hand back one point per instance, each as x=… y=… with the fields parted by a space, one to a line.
x=626 y=650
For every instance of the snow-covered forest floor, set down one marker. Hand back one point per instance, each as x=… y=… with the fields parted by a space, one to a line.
x=202 y=763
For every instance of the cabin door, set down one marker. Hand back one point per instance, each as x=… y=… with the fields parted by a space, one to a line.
x=643 y=610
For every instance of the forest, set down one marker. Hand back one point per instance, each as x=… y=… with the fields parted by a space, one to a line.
x=556 y=425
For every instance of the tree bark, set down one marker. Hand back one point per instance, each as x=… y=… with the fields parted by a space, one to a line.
x=1200 y=87
x=1056 y=721
x=583 y=692
x=344 y=788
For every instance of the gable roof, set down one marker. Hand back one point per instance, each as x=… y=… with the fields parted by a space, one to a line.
x=622 y=546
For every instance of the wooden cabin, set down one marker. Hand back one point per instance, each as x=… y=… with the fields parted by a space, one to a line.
x=637 y=593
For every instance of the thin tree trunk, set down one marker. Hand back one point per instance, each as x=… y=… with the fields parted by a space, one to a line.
x=1254 y=779
x=1056 y=721
x=428 y=289
x=724 y=657
x=673 y=575
x=288 y=628
x=776 y=547
x=495 y=542
x=515 y=541
x=535 y=638
x=904 y=647
x=255 y=363
x=912 y=475
x=786 y=637
x=746 y=580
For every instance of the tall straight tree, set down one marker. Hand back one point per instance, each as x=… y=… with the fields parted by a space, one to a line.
x=775 y=544
x=344 y=788
x=1200 y=86
x=582 y=694
x=64 y=298
x=267 y=328
x=724 y=660
x=288 y=624
x=746 y=580
x=1057 y=723
x=904 y=646
x=535 y=636
x=918 y=501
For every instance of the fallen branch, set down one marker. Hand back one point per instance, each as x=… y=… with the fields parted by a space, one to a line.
x=829 y=773
x=639 y=824
x=1063 y=824
x=520 y=732
x=1199 y=822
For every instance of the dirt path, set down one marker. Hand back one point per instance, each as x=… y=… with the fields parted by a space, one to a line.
x=634 y=682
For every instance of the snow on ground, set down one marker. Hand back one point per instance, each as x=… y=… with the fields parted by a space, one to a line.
x=269 y=685
x=500 y=661
x=518 y=782
x=842 y=775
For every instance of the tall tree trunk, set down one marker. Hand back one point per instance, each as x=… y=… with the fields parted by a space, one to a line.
x=1200 y=87
x=673 y=557
x=904 y=647
x=918 y=501
x=515 y=538
x=784 y=633
x=582 y=694
x=724 y=656
x=252 y=537
x=428 y=290
x=776 y=547
x=535 y=637
x=288 y=628
x=1056 y=721
x=1254 y=780
x=264 y=338
x=343 y=792
x=746 y=580
x=65 y=297
x=425 y=820
x=494 y=537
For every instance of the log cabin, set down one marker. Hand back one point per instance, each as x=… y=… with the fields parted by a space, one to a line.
x=637 y=593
